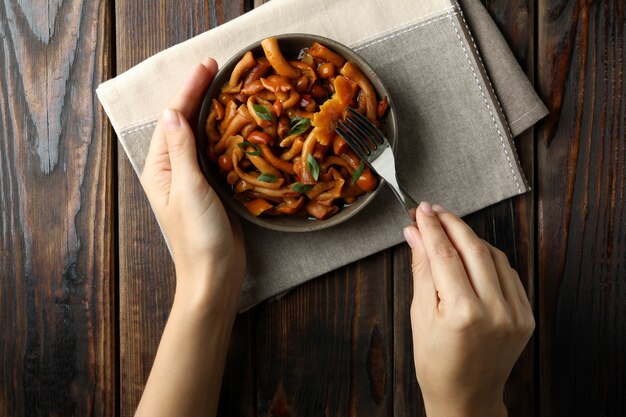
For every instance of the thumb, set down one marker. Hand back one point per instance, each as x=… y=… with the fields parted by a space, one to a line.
x=423 y=285
x=181 y=144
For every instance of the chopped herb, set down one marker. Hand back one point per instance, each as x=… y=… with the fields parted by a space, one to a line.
x=299 y=127
x=244 y=145
x=313 y=166
x=263 y=112
x=301 y=188
x=357 y=172
x=294 y=120
x=266 y=177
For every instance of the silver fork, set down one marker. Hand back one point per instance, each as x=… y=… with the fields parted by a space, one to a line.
x=371 y=145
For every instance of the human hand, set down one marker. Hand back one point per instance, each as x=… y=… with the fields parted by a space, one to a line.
x=470 y=316
x=206 y=245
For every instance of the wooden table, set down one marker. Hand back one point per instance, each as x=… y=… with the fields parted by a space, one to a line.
x=87 y=281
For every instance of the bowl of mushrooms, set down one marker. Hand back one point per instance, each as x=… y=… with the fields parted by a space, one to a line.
x=265 y=134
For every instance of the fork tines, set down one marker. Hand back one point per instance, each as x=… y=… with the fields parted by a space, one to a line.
x=360 y=133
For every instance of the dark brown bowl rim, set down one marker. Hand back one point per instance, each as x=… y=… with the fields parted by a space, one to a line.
x=286 y=223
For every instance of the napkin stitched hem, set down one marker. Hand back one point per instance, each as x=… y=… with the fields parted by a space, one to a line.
x=125 y=144
x=520 y=182
x=502 y=117
x=405 y=27
x=411 y=28
x=538 y=109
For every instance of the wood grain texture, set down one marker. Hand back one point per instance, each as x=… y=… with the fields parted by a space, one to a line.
x=407 y=396
x=582 y=209
x=326 y=348
x=147 y=281
x=57 y=335
x=237 y=396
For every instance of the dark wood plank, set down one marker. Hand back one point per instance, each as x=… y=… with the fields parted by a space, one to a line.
x=582 y=208
x=144 y=28
x=57 y=266
x=407 y=396
x=509 y=225
x=326 y=347
x=237 y=397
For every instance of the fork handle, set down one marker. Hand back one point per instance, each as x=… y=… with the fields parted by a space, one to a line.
x=407 y=201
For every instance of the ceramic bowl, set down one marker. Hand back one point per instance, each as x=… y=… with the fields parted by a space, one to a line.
x=291 y=45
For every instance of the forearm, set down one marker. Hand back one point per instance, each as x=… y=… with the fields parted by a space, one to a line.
x=187 y=372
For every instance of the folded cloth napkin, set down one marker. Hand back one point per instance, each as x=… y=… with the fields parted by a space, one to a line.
x=455 y=146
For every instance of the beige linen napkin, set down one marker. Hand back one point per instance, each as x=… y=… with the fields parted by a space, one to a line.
x=455 y=145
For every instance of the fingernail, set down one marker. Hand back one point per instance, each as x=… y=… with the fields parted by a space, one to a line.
x=207 y=62
x=409 y=236
x=426 y=208
x=439 y=209
x=171 y=120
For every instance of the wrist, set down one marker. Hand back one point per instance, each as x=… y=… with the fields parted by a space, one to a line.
x=450 y=408
x=202 y=289
x=204 y=309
